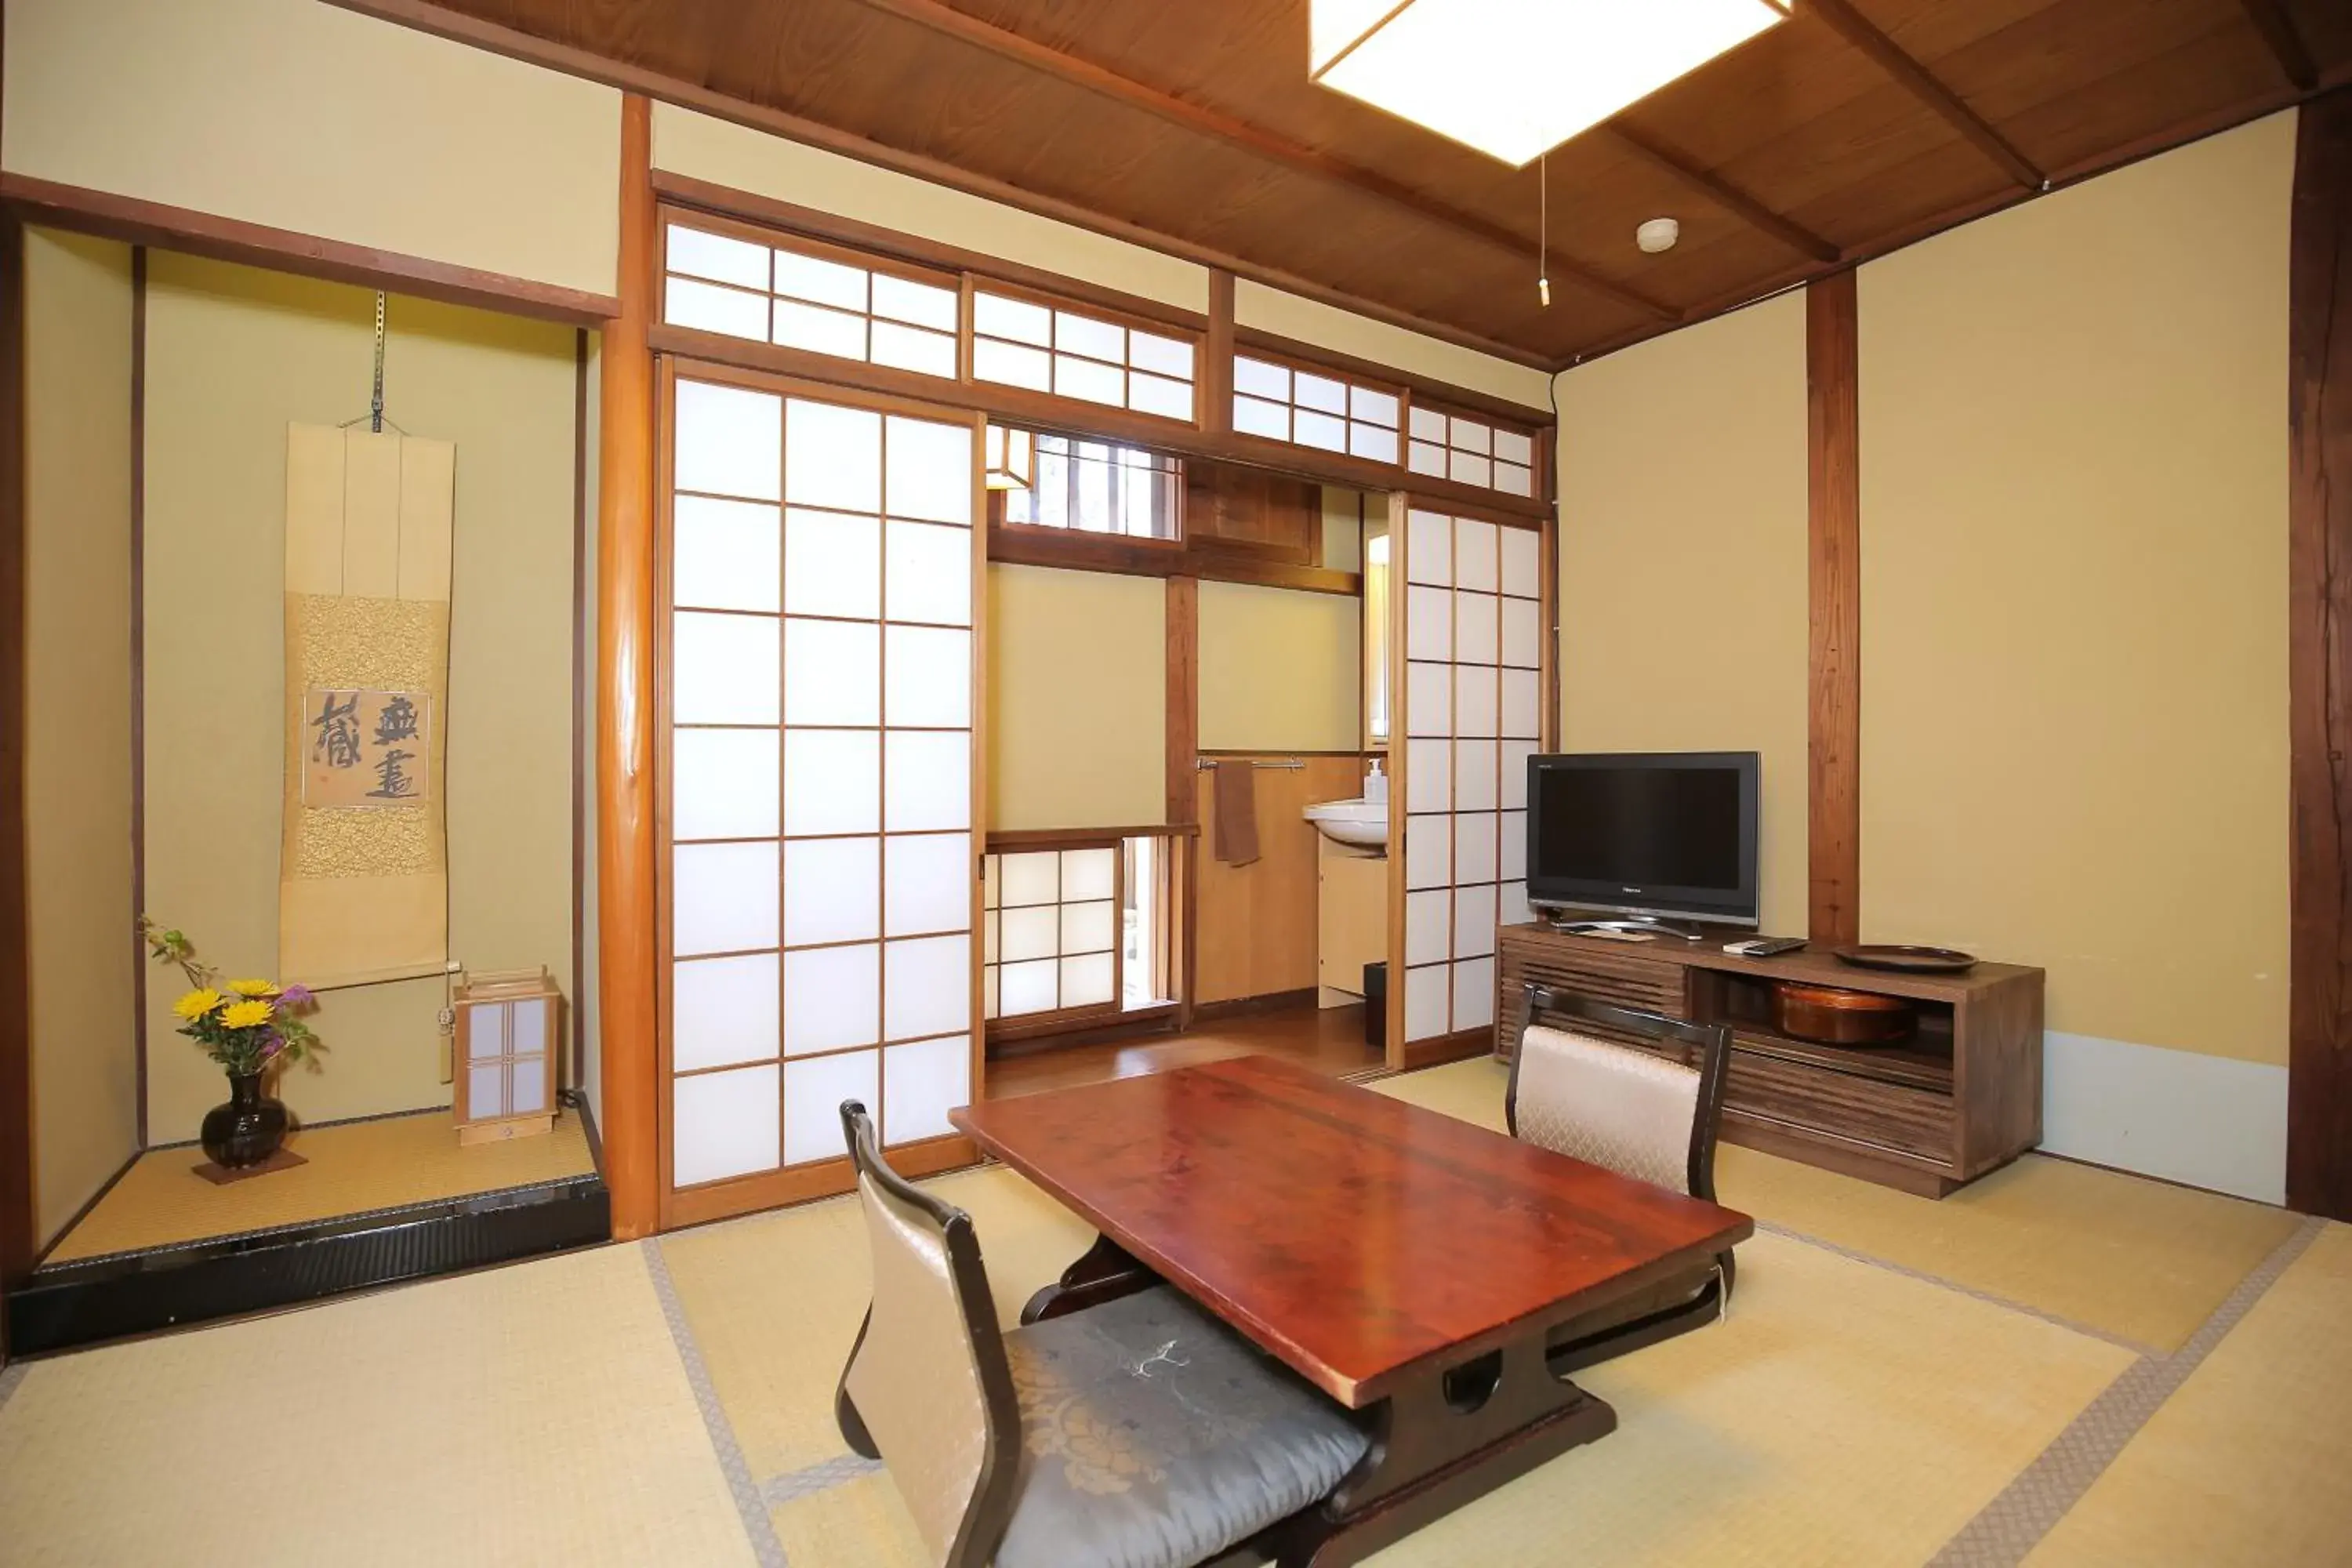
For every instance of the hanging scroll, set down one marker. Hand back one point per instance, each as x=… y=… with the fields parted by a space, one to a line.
x=363 y=864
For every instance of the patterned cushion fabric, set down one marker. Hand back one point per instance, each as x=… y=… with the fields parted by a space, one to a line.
x=1607 y=1105
x=1152 y=1436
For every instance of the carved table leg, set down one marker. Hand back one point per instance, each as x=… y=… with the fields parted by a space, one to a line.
x=1104 y=1274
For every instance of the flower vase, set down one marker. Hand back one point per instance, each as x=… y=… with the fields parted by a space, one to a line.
x=247 y=1128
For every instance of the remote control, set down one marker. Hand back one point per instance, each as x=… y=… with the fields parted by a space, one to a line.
x=1765 y=946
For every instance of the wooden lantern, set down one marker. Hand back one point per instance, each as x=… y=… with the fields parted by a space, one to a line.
x=507 y=1034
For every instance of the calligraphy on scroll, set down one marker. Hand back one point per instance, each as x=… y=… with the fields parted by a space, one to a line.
x=366 y=750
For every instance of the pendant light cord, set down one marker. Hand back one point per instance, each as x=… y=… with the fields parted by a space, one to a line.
x=1543 y=230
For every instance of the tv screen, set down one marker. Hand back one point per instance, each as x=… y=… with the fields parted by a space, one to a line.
x=1655 y=833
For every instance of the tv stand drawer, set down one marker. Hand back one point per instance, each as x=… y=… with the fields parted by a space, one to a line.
x=1630 y=980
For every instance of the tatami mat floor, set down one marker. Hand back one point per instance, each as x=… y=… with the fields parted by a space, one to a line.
x=2064 y=1365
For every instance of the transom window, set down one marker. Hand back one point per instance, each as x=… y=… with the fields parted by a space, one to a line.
x=1472 y=451
x=811 y=297
x=1315 y=408
x=1098 y=487
x=1023 y=343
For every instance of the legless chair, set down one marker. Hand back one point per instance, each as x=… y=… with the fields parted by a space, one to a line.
x=1640 y=1113
x=1139 y=1433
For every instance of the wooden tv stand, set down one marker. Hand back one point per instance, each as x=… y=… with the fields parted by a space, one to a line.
x=1962 y=1097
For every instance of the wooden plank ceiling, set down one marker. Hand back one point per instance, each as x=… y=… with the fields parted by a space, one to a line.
x=1854 y=127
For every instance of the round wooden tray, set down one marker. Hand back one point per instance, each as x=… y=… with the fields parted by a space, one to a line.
x=1911 y=960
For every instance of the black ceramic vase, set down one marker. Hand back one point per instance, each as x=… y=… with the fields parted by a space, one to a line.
x=248 y=1128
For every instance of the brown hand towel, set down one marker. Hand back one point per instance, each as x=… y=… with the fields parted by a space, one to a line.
x=1236 y=811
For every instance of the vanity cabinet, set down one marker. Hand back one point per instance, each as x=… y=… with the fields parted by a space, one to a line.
x=1351 y=918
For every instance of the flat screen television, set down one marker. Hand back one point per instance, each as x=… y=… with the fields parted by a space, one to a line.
x=1667 y=834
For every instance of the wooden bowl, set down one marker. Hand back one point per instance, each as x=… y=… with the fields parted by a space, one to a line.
x=1832 y=1015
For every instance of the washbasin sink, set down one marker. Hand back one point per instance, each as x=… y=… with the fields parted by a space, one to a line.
x=1361 y=823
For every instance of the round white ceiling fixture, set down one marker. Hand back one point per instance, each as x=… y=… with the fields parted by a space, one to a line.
x=1658 y=234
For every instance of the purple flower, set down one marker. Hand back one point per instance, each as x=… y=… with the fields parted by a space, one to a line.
x=294 y=998
x=272 y=1046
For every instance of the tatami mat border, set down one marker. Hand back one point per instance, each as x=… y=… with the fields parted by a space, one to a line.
x=749 y=1503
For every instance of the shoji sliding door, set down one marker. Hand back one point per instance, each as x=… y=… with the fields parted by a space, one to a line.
x=819 y=570
x=1470 y=628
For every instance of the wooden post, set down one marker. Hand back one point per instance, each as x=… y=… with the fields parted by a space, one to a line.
x=18 y=1224
x=1833 y=666
x=625 y=700
x=2319 y=663
x=1182 y=780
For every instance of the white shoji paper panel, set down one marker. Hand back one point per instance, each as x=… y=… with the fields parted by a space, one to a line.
x=723 y=784
x=723 y=1011
x=921 y=1082
x=833 y=890
x=813 y=1090
x=722 y=898
x=723 y=1124
x=832 y=999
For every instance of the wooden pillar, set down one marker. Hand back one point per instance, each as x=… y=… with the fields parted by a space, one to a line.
x=1217 y=357
x=2319 y=663
x=1834 y=665
x=625 y=704
x=1182 y=780
x=17 y=1218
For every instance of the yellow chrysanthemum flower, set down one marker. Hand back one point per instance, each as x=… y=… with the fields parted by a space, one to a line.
x=197 y=1004
x=245 y=1014
x=253 y=987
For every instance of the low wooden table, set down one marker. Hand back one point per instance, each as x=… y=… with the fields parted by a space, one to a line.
x=1407 y=1264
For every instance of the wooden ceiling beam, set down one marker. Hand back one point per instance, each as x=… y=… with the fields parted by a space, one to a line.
x=2286 y=46
x=1725 y=194
x=1915 y=78
x=1007 y=44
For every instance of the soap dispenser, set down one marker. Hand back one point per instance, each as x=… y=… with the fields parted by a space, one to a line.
x=1376 y=783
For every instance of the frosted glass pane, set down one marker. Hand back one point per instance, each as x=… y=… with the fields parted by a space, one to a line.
x=1028 y=987
x=1371 y=441
x=723 y=670
x=1033 y=876
x=1513 y=480
x=1428 y=1006
x=1427 y=938
x=926 y=883
x=1088 y=982
x=1011 y=365
x=1088 y=928
x=1464 y=467
x=927 y=677
x=717 y=256
x=723 y=554
x=723 y=784
x=1474 y=778
x=930 y=474
x=903 y=299
x=1522 y=557
x=832 y=999
x=1429 y=623
x=1522 y=710
x=1375 y=408
x=729 y=440
x=1511 y=773
x=1470 y=435
x=929 y=576
x=708 y=308
x=926 y=986
x=833 y=564
x=1160 y=356
x=526 y=1087
x=1474 y=922
x=1513 y=448
x=1428 y=851
x=813 y=1095
x=1028 y=934
x=1423 y=459
x=723 y=898
x=1473 y=554
x=723 y=1124
x=832 y=456
x=1254 y=417
x=1474 y=700
x=825 y=282
x=1473 y=847
x=819 y=330
x=1084 y=336
x=1089 y=874
x=1156 y=395
x=1429 y=698
x=833 y=890
x=1322 y=431
x=1259 y=379
x=921 y=1084
x=1522 y=634
x=1083 y=379
x=911 y=348
x=1429 y=425
x=1429 y=775
x=1511 y=845
x=1319 y=393
x=486 y=1030
x=723 y=1011
x=1511 y=906
x=1474 y=993
x=1474 y=627
x=486 y=1092
x=928 y=780
x=1429 y=547
x=832 y=782
x=833 y=672
x=996 y=316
